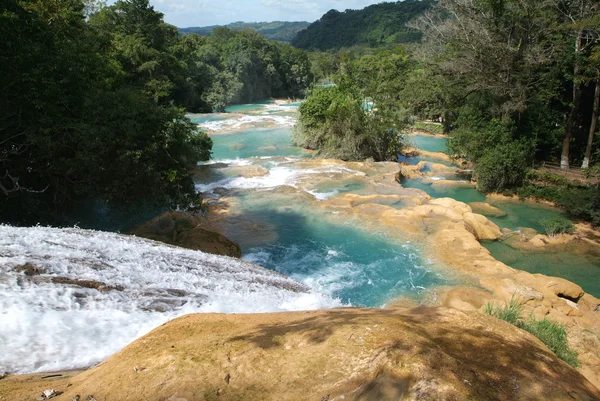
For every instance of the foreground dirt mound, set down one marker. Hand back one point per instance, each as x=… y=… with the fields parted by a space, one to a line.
x=351 y=354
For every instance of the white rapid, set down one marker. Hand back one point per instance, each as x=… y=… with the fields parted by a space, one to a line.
x=86 y=294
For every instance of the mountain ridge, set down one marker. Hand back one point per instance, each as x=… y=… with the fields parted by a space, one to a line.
x=374 y=25
x=282 y=31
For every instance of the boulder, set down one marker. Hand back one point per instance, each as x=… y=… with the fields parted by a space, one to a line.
x=484 y=229
x=184 y=230
x=508 y=288
x=563 y=288
x=450 y=203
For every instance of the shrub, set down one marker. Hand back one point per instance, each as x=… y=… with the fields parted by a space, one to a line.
x=552 y=334
x=333 y=122
x=582 y=203
x=557 y=225
x=502 y=167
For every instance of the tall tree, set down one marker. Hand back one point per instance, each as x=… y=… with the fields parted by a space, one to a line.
x=575 y=12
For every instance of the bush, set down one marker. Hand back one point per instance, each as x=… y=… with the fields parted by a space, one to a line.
x=502 y=167
x=552 y=334
x=333 y=122
x=582 y=203
x=557 y=225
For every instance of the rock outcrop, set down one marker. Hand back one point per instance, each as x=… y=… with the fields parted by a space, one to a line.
x=344 y=354
x=184 y=230
x=483 y=228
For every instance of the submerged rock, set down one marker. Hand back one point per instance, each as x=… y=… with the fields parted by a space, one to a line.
x=184 y=230
x=486 y=209
x=352 y=354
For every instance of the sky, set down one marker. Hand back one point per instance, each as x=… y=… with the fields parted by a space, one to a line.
x=184 y=13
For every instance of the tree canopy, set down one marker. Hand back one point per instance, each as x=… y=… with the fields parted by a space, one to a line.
x=375 y=25
x=93 y=101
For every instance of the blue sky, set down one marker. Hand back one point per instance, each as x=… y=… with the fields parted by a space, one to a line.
x=183 y=13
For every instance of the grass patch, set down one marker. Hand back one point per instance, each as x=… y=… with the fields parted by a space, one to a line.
x=510 y=313
x=553 y=335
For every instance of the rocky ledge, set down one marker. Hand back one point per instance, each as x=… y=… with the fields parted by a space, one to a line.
x=186 y=230
x=423 y=353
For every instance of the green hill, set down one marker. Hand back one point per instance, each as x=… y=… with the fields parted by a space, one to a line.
x=375 y=25
x=282 y=31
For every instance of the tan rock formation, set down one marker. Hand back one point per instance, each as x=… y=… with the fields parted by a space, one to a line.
x=184 y=230
x=483 y=228
x=350 y=354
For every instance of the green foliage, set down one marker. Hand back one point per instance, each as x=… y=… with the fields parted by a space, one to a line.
x=501 y=162
x=552 y=334
x=332 y=121
x=501 y=167
x=579 y=201
x=82 y=113
x=281 y=31
x=510 y=313
x=557 y=226
x=582 y=203
x=429 y=127
x=231 y=67
x=375 y=25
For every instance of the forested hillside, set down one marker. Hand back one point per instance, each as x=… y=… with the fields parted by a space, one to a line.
x=375 y=25
x=516 y=84
x=93 y=101
x=280 y=31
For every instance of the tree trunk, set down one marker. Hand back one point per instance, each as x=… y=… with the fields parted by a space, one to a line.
x=588 y=149
x=564 y=158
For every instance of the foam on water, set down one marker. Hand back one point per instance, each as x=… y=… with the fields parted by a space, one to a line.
x=361 y=269
x=242 y=120
x=277 y=176
x=54 y=320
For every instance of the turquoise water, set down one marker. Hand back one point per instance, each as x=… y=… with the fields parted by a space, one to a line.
x=358 y=268
x=581 y=269
x=522 y=214
x=205 y=118
x=429 y=143
x=245 y=108
x=259 y=142
x=459 y=193
x=280 y=231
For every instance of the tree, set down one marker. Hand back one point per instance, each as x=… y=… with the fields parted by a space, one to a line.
x=592 y=26
x=491 y=46
x=575 y=12
x=75 y=128
x=332 y=120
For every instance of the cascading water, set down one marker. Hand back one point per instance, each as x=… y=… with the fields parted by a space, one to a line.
x=70 y=298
